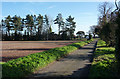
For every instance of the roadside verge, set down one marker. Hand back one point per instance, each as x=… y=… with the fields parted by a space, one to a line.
x=104 y=62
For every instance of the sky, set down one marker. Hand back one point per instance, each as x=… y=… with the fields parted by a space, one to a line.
x=85 y=13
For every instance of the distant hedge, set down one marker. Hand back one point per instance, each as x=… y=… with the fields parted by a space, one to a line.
x=25 y=65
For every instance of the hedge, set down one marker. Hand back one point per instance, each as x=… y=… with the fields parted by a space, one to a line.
x=23 y=66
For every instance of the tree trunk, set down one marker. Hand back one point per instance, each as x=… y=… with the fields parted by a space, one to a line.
x=9 y=33
x=59 y=30
x=15 y=35
x=117 y=47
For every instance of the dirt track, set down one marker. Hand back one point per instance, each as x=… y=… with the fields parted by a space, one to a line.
x=16 y=49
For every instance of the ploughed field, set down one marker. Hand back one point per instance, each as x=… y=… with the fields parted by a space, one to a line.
x=15 y=49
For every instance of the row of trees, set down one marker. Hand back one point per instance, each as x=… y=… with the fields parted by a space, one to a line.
x=39 y=27
x=108 y=28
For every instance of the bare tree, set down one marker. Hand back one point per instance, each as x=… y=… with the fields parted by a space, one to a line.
x=92 y=30
x=105 y=13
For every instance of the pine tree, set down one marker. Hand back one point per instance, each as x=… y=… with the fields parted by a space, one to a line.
x=16 y=25
x=39 y=23
x=59 y=21
x=71 y=26
x=8 y=24
x=47 y=25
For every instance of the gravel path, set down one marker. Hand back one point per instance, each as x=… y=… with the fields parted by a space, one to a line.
x=75 y=65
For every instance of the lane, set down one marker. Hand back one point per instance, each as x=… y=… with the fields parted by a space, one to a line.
x=75 y=65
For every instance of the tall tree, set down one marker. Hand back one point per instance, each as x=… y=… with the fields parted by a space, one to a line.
x=104 y=22
x=16 y=23
x=29 y=23
x=8 y=24
x=39 y=23
x=3 y=27
x=117 y=34
x=47 y=25
x=59 y=21
x=105 y=11
x=71 y=26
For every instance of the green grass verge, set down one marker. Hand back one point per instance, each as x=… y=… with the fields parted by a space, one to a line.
x=104 y=62
x=101 y=43
x=25 y=65
x=2 y=62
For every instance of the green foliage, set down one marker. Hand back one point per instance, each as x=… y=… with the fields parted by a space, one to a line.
x=70 y=26
x=104 y=62
x=108 y=34
x=2 y=62
x=59 y=21
x=103 y=51
x=106 y=23
x=65 y=29
x=101 y=43
x=22 y=66
x=37 y=28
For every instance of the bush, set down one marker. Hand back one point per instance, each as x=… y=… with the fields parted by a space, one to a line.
x=23 y=66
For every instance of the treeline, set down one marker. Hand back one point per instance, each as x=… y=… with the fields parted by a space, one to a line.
x=108 y=28
x=34 y=27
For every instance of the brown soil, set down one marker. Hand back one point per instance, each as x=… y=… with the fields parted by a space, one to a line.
x=16 y=49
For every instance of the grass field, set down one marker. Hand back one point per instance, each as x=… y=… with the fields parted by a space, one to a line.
x=16 y=49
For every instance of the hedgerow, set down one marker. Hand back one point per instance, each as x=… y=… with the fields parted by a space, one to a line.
x=25 y=65
x=104 y=62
